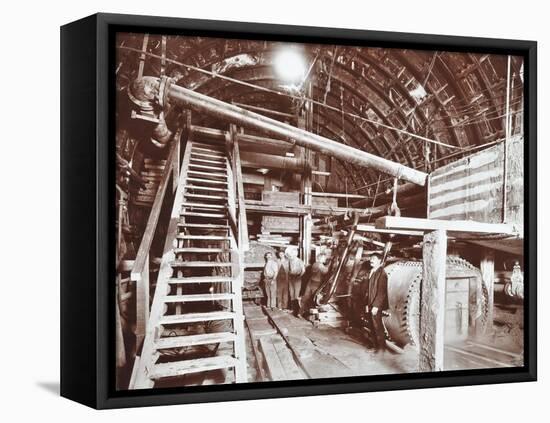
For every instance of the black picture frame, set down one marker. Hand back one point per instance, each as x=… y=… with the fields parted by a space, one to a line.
x=87 y=210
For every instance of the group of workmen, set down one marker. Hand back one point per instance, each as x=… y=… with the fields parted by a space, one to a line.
x=283 y=280
x=283 y=285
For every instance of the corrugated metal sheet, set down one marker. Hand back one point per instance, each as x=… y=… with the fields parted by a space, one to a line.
x=472 y=188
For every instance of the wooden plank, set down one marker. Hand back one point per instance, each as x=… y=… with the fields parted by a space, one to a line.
x=363 y=227
x=432 y=304
x=478 y=356
x=280 y=224
x=180 y=368
x=207 y=167
x=273 y=363
x=297 y=209
x=203 y=237
x=198 y=250
x=209 y=174
x=210 y=151
x=278 y=198
x=205 y=226
x=205 y=188
x=206 y=197
x=200 y=279
x=212 y=156
x=337 y=195
x=203 y=205
x=206 y=181
x=198 y=297
x=191 y=340
x=407 y=223
x=260 y=327
x=197 y=214
x=292 y=371
x=200 y=264
x=196 y=317
x=210 y=160
x=497 y=350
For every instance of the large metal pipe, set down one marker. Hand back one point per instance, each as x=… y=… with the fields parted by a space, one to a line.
x=231 y=113
x=269 y=161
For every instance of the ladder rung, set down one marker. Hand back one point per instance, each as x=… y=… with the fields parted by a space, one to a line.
x=215 y=147
x=212 y=156
x=206 y=181
x=205 y=197
x=196 y=317
x=219 y=153
x=212 y=174
x=201 y=166
x=204 y=188
x=212 y=215
x=203 y=205
x=187 y=298
x=190 y=340
x=200 y=279
x=203 y=237
x=198 y=250
x=202 y=226
x=200 y=264
x=215 y=162
x=180 y=368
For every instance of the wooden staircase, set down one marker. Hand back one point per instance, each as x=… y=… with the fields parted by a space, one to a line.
x=196 y=321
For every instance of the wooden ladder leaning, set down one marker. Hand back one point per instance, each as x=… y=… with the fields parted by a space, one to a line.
x=196 y=321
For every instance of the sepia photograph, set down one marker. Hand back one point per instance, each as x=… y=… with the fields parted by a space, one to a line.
x=288 y=210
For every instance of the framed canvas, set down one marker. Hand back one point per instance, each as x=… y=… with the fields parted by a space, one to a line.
x=259 y=211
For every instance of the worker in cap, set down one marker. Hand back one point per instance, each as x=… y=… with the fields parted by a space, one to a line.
x=296 y=268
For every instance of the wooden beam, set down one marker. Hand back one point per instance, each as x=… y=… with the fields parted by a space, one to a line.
x=336 y=195
x=257 y=179
x=487 y=267
x=432 y=304
x=296 y=209
x=362 y=227
x=426 y=225
x=242 y=220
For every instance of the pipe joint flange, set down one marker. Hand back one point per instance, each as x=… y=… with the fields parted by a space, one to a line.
x=164 y=87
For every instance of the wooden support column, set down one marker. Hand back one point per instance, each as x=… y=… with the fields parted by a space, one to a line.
x=432 y=303
x=306 y=223
x=142 y=303
x=306 y=122
x=487 y=267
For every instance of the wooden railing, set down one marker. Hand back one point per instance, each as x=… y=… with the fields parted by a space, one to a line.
x=140 y=270
x=232 y=145
x=238 y=246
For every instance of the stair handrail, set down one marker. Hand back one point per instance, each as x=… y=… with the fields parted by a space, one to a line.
x=232 y=145
x=140 y=269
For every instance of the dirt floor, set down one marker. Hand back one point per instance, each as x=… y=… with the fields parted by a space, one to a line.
x=281 y=346
x=321 y=352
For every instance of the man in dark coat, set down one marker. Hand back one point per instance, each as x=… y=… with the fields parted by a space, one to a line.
x=282 y=282
x=377 y=300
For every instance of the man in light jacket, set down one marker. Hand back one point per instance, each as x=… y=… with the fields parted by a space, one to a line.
x=271 y=269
